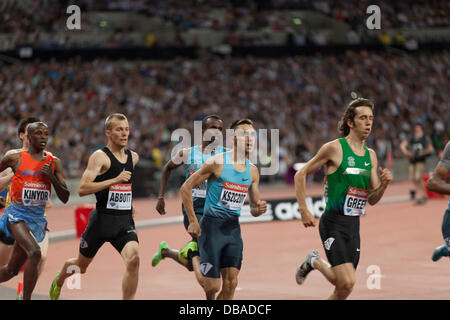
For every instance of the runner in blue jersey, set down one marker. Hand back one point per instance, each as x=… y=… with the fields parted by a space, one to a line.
x=230 y=177
x=192 y=158
x=438 y=182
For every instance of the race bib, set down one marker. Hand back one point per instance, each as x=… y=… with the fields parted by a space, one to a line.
x=35 y=194
x=119 y=197
x=233 y=195
x=199 y=191
x=355 y=202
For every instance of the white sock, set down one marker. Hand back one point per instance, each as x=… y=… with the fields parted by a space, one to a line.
x=312 y=261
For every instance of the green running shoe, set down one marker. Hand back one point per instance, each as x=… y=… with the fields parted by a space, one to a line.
x=183 y=253
x=439 y=253
x=158 y=256
x=55 y=290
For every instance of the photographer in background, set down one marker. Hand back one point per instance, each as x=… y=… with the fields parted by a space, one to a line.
x=417 y=149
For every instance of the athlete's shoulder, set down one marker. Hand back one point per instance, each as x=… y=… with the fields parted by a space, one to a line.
x=331 y=146
x=12 y=151
x=99 y=156
x=216 y=159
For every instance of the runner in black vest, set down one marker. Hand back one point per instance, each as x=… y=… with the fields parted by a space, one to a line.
x=108 y=175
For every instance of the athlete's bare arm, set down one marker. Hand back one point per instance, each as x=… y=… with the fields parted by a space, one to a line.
x=211 y=168
x=436 y=183
x=329 y=154
x=97 y=164
x=5 y=178
x=257 y=206
x=179 y=159
x=377 y=186
x=57 y=179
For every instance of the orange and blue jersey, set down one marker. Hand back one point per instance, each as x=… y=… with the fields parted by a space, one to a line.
x=29 y=193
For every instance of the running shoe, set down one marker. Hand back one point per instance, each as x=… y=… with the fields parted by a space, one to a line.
x=157 y=257
x=306 y=267
x=183 y=253
x=55 y=290
x=439 y=253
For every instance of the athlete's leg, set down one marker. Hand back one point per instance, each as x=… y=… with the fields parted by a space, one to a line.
x=12 y=268
x=28 y=245
x=72 y=266
x=130 y=255
x=325 y=268
x=345 y=280
x=229 y=283
x=211 y=286
x=5 y=253
x=44 y=249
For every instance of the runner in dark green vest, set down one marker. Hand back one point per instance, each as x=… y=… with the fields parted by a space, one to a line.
x=351 y=182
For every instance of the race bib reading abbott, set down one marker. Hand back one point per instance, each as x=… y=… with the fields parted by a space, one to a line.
x=35 y=194
x=119 y=197
x=355 y=202
x=233 y=195
x=200 y=190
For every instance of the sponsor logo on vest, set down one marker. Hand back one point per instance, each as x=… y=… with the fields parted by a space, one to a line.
x=351 y=161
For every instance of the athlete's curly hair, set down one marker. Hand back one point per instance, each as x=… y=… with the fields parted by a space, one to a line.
x=350 y=114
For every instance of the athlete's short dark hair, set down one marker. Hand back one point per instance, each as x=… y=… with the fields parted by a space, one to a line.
x=350 y=114
x=239 y=122
x=205 y=120
x=24 y=123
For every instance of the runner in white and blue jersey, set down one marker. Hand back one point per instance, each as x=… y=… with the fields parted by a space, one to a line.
x=230 y=177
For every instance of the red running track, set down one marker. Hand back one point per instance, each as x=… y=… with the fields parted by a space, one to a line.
x=398 y=237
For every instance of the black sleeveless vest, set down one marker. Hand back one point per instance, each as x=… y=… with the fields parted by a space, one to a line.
x=116 y=199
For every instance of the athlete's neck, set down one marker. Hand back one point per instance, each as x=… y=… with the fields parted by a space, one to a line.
x=204 y=147
x=355 y=142
x=115 y=148
x=239 y=157
x=35 y=153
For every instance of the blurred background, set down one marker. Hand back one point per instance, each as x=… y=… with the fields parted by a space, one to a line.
x=286 y=64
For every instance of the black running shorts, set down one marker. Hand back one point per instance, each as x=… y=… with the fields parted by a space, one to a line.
x=340 y=238
x=116 y=229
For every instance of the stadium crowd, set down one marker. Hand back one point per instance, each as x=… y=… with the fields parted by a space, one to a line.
x=302 y=96
x=27 y=23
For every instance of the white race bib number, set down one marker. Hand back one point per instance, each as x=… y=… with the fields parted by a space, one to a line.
x=35 y=196
x=355 y=202
x=233 y=195
x=119 y=197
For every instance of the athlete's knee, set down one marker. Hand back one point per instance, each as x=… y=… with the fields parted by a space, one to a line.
x=345 y=287
x=230 y=284
x=210 y=287
x=11 y=271
x=133 y=263
x=34 y=255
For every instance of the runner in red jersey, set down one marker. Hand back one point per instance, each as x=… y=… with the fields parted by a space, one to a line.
x=24 y=222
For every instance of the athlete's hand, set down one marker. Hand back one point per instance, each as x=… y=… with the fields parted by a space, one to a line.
x=194 y=230
x=385 y=176
x=47 y=169
x=124 y=176
x=160 y=206
x=259 y=208
x=308 y=219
